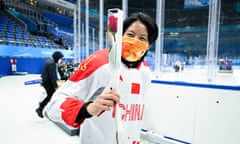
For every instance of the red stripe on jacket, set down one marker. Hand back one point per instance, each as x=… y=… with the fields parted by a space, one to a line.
x=90 y=64
x=71 y=108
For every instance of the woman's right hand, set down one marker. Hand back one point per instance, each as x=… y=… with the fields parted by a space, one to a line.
x=104 y=102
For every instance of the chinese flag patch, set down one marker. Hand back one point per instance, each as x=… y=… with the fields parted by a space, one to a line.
x=135 y=88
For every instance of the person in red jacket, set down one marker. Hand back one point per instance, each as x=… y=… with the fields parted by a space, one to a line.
x=86 y=99
x=50 y=75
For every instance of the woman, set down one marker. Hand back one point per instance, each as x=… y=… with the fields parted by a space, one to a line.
x=87 y=101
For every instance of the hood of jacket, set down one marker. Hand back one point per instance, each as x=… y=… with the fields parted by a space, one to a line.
x=57 y=55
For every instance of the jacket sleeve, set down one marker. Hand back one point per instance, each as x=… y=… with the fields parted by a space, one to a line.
x=65 y=105
x=68 y=104
x=71 y=108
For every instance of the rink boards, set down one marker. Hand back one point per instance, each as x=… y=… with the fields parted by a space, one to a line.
x=187 y=112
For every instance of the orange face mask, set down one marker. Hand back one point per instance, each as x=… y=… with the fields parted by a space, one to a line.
x=133 y=49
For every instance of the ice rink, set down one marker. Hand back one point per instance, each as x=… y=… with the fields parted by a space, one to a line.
x=19 y=123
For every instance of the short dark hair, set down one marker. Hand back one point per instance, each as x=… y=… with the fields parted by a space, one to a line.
x=152 y=27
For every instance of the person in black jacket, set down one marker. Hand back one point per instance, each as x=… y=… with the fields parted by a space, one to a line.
x=50 y=75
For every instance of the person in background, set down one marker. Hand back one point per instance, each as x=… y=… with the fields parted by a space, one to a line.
x=2 y=6
x=87 y=100
x=50 y=75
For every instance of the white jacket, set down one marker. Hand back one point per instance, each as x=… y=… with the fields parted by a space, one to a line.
x=86 y=84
